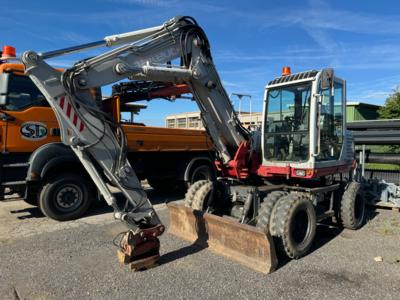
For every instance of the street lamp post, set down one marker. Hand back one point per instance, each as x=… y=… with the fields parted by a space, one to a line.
x=240 y=97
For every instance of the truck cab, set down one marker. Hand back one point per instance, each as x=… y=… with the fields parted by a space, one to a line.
x=26 y=123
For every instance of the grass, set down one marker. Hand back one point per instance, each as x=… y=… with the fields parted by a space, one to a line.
x=383 y=167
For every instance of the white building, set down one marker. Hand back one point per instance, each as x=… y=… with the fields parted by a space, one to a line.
x=191 y=120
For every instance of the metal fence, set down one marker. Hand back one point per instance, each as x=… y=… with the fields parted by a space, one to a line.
x=387 y=175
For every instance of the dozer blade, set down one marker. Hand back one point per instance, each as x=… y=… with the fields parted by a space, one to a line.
x=242 y=243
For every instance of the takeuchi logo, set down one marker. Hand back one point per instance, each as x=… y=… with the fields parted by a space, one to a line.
x=33 y=131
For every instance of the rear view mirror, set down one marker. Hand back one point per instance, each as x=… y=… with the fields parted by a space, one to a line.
x=4 y=78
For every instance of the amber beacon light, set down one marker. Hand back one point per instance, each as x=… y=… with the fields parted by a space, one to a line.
x=285 y=71
x=8 y=52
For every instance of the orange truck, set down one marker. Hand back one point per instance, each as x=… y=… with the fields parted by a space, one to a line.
x=45 y=172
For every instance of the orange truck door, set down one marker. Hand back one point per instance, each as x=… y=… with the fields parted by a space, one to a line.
x=27 y=130
x=28 y=122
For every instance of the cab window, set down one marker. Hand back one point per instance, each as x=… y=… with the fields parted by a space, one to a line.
x=286 y=126
x=331 y=123
x=22 y=94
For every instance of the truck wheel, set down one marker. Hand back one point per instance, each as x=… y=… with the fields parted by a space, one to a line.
x=189 y=196
x=202 y=172
x=352 y=206
x=295 y=223
x=266 y=208
x=66 y=196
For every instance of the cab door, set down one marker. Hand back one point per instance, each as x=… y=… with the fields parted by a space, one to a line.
x=331 y=121
x=28 y=121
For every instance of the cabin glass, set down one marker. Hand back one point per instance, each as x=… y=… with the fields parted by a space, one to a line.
x=331 y=123
x=22 y=93
x=287 y=123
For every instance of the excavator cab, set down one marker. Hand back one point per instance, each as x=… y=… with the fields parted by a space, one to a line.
x=304 y=132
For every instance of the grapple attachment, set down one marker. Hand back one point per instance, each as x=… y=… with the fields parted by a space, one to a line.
x=240 y=242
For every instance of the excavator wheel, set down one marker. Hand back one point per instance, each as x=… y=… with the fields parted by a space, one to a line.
x=266 y=209
x=201 y=196
x=294 y=225
x=352 y=206
x=220 y=202
x=189 y=196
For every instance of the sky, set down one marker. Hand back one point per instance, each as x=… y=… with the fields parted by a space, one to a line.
x=250 y=40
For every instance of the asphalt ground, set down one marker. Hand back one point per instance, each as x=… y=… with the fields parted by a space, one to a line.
x=44 y=259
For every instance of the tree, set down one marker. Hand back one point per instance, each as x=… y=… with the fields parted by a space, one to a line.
x=391 y=110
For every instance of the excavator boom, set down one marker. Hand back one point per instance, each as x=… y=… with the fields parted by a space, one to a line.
x=100 y=143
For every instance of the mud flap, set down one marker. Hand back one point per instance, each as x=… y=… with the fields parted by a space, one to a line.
x=239 y=242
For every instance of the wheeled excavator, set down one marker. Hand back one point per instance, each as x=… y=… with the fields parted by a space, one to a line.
x=275 y=185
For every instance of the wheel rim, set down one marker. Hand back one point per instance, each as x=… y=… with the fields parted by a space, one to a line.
x=68 y=198
x=359 y=208
x=300 y=227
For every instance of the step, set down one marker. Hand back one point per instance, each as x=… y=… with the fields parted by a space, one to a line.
x=16 y=165
x=8 y=183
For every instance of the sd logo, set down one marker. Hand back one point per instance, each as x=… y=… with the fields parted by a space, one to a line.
x=33 y=131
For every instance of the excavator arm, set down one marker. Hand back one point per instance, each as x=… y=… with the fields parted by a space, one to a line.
x=100 y=143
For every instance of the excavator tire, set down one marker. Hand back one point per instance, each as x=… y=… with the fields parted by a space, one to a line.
x=267 y=206
x=294 y=224
x=189 y=196
x=201 y=196
x=352 y=206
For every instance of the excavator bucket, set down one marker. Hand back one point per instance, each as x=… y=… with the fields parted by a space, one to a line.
x=225 y=236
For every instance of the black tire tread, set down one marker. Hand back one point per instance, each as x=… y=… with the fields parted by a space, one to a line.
x=201 y=195
x=347 y=203
x=281 y=221
x=266 y=209
x=46 y=208
x=189 y=196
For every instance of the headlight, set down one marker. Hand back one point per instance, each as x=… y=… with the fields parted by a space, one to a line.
x=300 y=173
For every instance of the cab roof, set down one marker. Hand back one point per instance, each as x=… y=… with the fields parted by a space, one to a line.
x=296 y=76
x=17 y=68
x=12 y=67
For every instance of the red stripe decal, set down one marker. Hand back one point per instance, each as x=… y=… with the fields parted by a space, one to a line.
x=75 y=119
x=69 y=109
x=62 y=102
x=82 y=126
